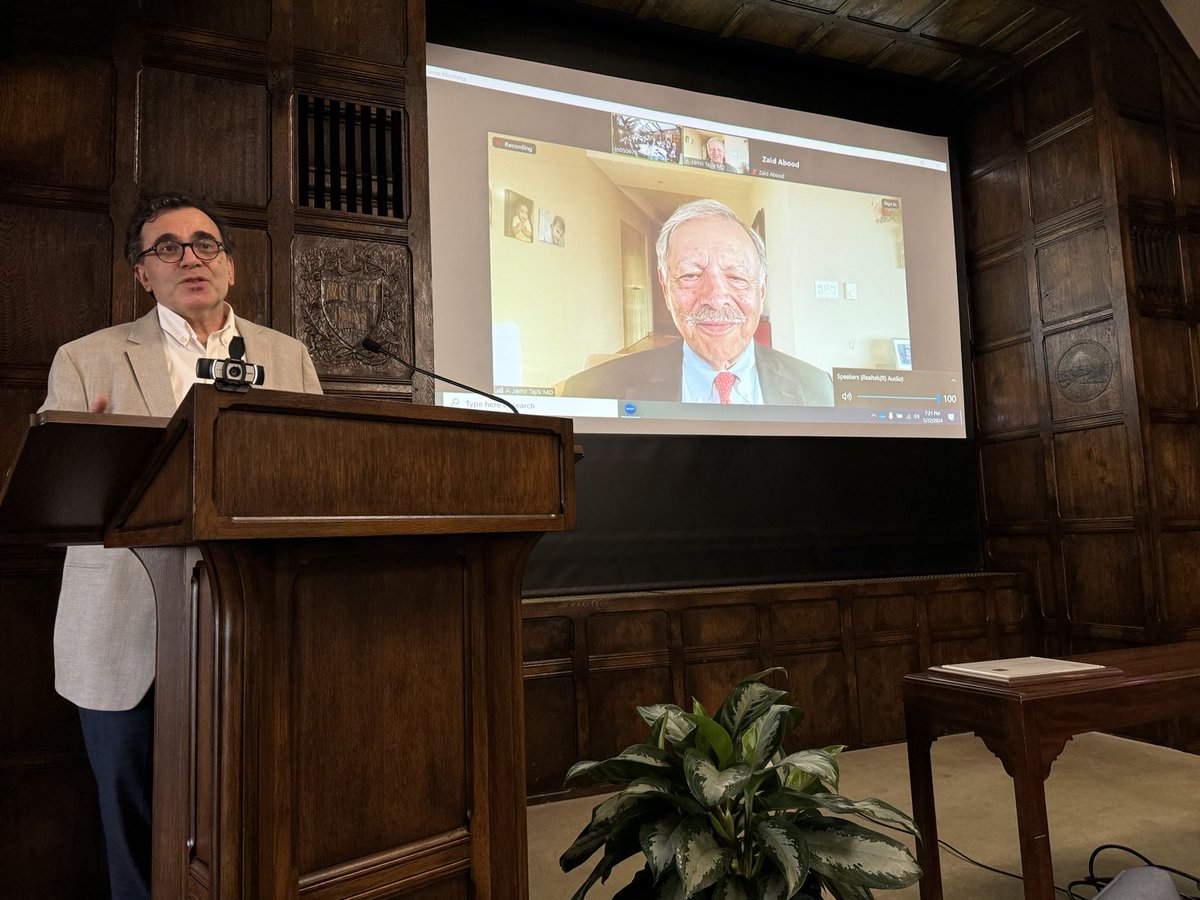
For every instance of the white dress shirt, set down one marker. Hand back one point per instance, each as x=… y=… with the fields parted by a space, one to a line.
x=183 y=348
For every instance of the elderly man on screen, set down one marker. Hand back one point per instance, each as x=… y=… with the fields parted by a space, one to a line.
x=713 y=272
x=104 y=634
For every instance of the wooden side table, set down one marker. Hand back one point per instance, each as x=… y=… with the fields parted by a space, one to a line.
x=1028 y=726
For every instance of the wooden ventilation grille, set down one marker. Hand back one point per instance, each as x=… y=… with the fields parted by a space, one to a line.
x=1156 y=264
x=350 y=157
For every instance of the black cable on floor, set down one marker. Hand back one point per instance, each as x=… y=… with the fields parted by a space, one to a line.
x=1099 y=882
x=1092 y=880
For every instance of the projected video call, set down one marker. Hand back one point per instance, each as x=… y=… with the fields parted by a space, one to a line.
x=671 y=273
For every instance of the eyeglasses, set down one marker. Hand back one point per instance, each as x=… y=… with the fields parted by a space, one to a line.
x=205 y=249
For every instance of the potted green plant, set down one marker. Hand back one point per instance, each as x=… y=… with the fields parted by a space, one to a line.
x=720 y=812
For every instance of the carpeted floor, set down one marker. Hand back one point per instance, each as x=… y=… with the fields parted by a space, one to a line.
x=1102 y=789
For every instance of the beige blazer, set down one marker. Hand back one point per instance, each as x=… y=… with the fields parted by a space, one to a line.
x=104 y=634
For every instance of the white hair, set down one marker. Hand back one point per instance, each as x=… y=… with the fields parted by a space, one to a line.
x=706 y=209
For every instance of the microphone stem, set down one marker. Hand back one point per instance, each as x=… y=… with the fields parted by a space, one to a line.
x=465 y=387
x=377 y=348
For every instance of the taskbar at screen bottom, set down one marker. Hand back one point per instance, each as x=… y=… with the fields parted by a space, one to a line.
x=885 y=413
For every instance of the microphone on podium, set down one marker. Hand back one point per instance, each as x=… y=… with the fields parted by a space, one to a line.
x=374 y=347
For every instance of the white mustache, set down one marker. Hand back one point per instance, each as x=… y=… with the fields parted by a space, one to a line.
x=725 y=315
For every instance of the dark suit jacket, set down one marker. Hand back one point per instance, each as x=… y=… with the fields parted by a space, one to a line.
x=658 y=375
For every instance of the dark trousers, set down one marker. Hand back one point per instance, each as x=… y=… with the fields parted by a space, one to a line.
x=120 y=747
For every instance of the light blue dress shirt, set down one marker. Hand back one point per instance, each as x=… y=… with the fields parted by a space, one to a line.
x=698 y=378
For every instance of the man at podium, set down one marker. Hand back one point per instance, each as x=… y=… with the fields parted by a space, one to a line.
x=104 y=635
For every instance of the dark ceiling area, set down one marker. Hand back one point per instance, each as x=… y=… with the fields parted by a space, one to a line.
x=961 y=43
x=961 y=46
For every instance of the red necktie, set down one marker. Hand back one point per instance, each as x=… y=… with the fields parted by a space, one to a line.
x=724 y=383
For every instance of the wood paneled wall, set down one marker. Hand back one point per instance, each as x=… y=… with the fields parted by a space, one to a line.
x=589 y=661
x=1082 y=219
x=101 y=103
x=1082 y=198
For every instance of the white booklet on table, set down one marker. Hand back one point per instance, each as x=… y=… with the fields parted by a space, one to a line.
x=1024 y=669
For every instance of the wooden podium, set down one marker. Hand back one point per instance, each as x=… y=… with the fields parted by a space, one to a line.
x=338 y=699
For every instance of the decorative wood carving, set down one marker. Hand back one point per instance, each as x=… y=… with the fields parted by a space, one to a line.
x=1156 y=264
x=1084 y=371
x=347 y=290
x=104 y=103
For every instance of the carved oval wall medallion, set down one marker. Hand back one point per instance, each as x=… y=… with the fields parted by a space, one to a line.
x=346 y=290
x=1084 y=371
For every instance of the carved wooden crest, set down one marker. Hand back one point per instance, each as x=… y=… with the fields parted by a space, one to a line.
x=1084 y=371
x=347 y=290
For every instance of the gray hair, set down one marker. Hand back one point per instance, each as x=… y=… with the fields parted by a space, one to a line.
x=706 y=209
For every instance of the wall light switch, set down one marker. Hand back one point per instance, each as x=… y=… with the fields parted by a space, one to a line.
x=851 y=290
x=827 y=290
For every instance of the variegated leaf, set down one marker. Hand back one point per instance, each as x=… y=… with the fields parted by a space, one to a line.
x=671 y=888
x=768 y=734
x=640 y=759
x=709 y=784
x=677 y=725
x=808 y=767
x=846 y=891
x=654 y=786
x=606 y=818
x=745 y=703
x=731 y=887
x=711 y=736
x=784 y=844
x=699 y=856
x=759 y=676
x=622 y=845
x=871 y=808
x=845 y=852
x=659 y=840
x=773 y=886
x=787 y=800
